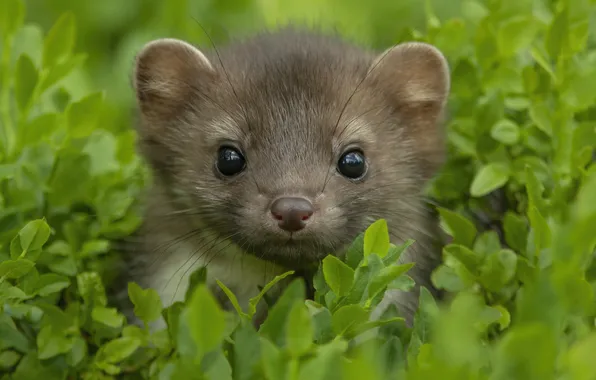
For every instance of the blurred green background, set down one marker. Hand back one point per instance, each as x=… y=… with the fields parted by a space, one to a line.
x=110 y=32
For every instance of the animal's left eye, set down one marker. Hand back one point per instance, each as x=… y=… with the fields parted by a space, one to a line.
x=230 y=161
x=352 y=164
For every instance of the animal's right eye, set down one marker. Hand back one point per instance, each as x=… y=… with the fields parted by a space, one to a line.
x=230 y=161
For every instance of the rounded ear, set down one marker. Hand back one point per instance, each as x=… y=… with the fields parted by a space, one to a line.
x=416 y=77
x=166 y=71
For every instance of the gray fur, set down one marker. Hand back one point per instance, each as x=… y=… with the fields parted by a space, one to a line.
x=291 y=100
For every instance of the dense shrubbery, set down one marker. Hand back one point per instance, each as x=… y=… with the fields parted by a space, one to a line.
x=518 y=197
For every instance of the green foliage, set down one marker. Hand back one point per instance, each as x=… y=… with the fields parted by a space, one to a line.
x=518 y=198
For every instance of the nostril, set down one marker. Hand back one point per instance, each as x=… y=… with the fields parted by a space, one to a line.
x=291 y=212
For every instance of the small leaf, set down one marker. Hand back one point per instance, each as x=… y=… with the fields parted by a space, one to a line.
x=60 y=40
x=253 y=302
x=118 y=349
x=82 y=116
x=26 y=78
x=233 y=299
x=247 y=352
x=464 y=255
x=338 y=275
x=52 y=342
x=355 y=253
x=197 y=278
x=376 y=239
x=34 y=235
x=15 y=268
x=107 y=316
x=51 y=283
x=8 y=359
x=445 y=277
x=274 y=325
x=395 y=252
x=147 y=303
x=506 y=132
x=321 y=318
x=348 y=317
x=515 y=228
x=95 y=247
x=324 y=365
x=60 y=70
x=580 y=356
x=489 y=178
x=299 y=330
x=12 y=15
x=462 y=229
x=205 y=320
x=274 y=363
x=498 y=269
x=515 y=34
x=385 y=277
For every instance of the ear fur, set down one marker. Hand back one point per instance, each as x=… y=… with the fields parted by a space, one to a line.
x=165 y=73
x=416 y=77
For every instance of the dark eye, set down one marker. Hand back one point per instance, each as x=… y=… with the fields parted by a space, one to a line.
x=352 y=164
x=230 y=161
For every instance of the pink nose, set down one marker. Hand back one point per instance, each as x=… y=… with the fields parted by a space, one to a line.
x=291 y=212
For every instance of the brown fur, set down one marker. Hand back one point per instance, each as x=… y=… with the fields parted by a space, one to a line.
x=292 y=101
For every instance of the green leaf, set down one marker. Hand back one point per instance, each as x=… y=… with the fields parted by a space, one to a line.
x=324 y=365
x=107 y=316
x=355 y=252
x=82 y=116
x=15 y=268
x=274 y=363
x=247 y=352
x=526 y=352
x=118 y=349
x=11 y=336
x=78 y=353
x=506 y=132
x=12 y=14
x=205 y=320
x=464 y=255
x=395 y=252
x=385 y=277
x=8 y=359
x=34 y=235
x=52 y=342
x=95 y=247
x=299 y=330
x=338 y=275
x=321 y=319
x=253 y=302
x=515 y=34
x=50 y=283
x=461 y=228
x=233 y=299
x=580 y=356
x=376 y=239
x=198 y=277
x=26 y=78
x=515 y=228
x=274 y=326
x=147 y=304
x=498 y=269
x=489 y=178
x=60 y=70
x=60 y=40
x=348 y=317
x=445 y=277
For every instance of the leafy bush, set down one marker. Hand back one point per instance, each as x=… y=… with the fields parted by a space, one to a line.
x=518 y=197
